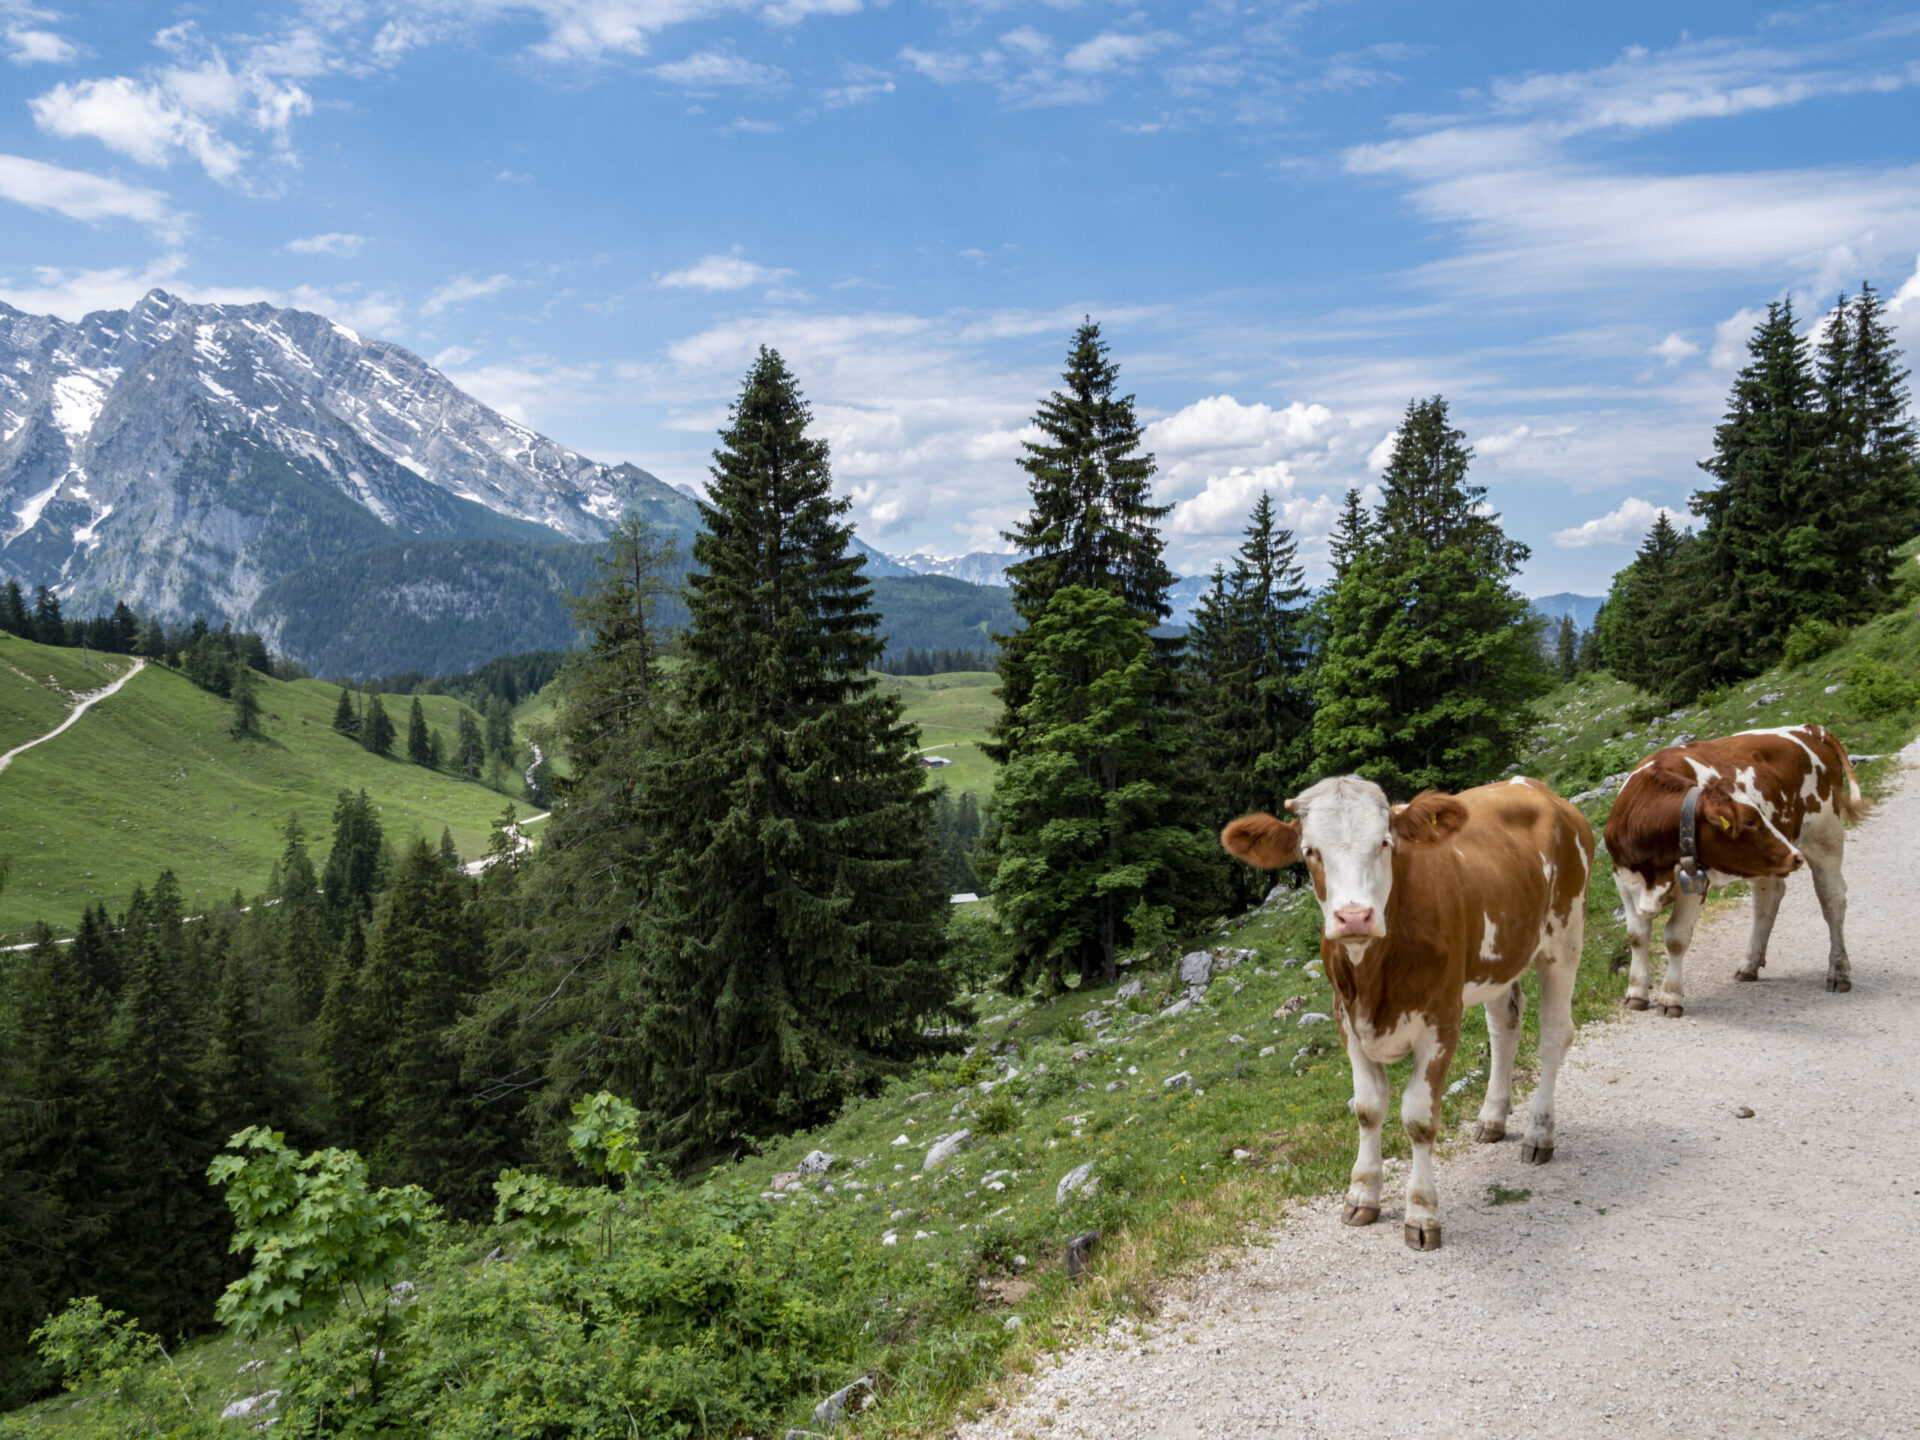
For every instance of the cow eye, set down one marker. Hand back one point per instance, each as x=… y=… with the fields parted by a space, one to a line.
x=1386 y=844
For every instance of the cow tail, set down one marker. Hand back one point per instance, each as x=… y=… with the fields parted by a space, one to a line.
x=1851 y=804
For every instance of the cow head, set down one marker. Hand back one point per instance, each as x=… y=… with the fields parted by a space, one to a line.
x=1346 y=835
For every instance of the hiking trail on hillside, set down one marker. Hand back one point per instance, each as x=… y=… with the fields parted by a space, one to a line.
x=1677 y=1270
x=87 y=702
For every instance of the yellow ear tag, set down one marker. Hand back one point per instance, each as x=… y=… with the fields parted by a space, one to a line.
x=1723 y=822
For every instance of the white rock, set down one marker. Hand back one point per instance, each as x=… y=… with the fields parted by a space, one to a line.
x=1313 y=1017
x=248 y=1404
x=945 y=1148
x=1071 y=1182
x=900 y=1140
x=1128 y=990
x=1179 y=1007
x=1177 y=1082
x=817 y=1162
x=1266 y=1050
x=1236 y=1039
x=923 y=1235
x=890 y=1238
x=1196 y=967
x=1012 y=1322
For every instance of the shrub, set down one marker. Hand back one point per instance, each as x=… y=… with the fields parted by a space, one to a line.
x=1877 y=688
x=1811 y=639
x=998 y=1114
x=1071 y=1031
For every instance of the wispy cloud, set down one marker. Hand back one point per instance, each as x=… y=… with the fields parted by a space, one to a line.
x=29 y=38
x=716 y=69
x=461 y=289
x=82 y=196
x=332 y=243
x=723 y=272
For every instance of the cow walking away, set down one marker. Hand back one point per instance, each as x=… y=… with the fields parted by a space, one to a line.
x=1431 y=907
x=1751 y=807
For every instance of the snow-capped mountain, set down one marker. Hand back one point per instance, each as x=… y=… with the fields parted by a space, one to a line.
x=183 y=457
x=979 y=567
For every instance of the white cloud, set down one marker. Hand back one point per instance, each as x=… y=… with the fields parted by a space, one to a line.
x=332 y=243
x=80 y=196
x=1675 y=348
x=461 y=289
x=1905 y=304
x=1222 y=424
x=380 y=313
x=1625 y=525
x=1112 y=51
x=453 y=357
x=29 y=46
x=535 y=387
x=792 y=12
x=1730 y=338
x=183 y=107
x=722 y=272
x=943 y=68
x=711 y=69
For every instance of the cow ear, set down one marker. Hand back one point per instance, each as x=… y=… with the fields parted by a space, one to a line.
x=1263 y=841
x=1430 y=816
x=1718 y=811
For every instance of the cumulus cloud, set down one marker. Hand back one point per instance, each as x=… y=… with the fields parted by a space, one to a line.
x=461 y=289
x=1624 y=525
x=1675 y=348
x=722 y=272
x=332 y=243
x=1904 y=307
x=27 y=44
x=184 y=107
x=81 y=196
x=380 y=313
x=1730 y=338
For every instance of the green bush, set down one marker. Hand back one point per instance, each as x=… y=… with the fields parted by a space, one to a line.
x=998 y=1114
x=1877 y=688
x=1809 y=640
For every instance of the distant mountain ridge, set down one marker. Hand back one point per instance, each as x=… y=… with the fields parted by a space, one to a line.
x=977 y=567
x=184 y=457
x=1581 y=607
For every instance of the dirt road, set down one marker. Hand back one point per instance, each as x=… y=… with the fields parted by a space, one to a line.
x=1675 y=1271
x=87 y=702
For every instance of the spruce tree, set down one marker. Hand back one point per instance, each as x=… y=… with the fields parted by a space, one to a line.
x=1566 y=649
x=376 y=730
x=1430 y=656
x=499 y=721
x=469 y=753
x=48 y=627
x=306 y=946
x=244 y=705
x=1349 y=534
x=357 y=867
x=563 y=956
x=419 y=747
x=242 y=1085
x=346 y=719
x=1640 y=631
x=1590 y=658
x=794 y=932
x=338 y=1053
x=14 y=616
x=1870 y=467
x=1092 y=521
x=1087 y=823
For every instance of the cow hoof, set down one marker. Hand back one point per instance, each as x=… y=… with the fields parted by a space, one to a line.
x=1636 y=1002
x=1360 y=1214
x=1488 y=1131
x=1423 y=1237
x=1746 y=974
x=1536 y=1154
x=1673 y=1012
x=1839 y=984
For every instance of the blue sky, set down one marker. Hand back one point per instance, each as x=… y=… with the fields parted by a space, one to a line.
x=1290 y=219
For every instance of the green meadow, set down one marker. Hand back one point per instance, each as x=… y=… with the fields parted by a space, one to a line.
x=149 y=779
x=954 y=713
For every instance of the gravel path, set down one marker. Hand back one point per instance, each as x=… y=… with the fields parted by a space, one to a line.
x=87 y=702
x=1676 y=1271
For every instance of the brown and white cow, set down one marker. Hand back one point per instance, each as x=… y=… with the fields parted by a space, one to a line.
x=1431 y=907
x=1767 y=800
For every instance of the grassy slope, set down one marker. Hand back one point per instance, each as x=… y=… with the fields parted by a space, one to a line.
x=149 y=779
x=953 y=713
x=29 y=704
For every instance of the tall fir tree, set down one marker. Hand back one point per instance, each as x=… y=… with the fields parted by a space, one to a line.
x=564 y=963
x=1088 y=827
x=1430 y=657
x=1349 y=535
x=15 y=618
x=469 y=751
x=1092 y=521
x=339 y=1057
x=795 y=931
x=346 y=719
x=1870 y=466
x=1566 y=649
x=1640 y=631
x=376 y=730
x=305 y=944
x=243 y=705
x=357 y=866
x=419 y=746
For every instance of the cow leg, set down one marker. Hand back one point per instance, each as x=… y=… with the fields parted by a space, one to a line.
x=1639 y=941
x=1767 y=893
x=1504 y=1013
x=1673 y=995
x=1420 y=1114
x=1831 y=886
x=1370 y=1098
x=1556 y=1033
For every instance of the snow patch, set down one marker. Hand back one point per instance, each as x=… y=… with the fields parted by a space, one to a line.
x=77 y=400
x=89 y=534
x=29 y=514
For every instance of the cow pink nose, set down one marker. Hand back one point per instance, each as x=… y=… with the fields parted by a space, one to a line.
x=1354 y=920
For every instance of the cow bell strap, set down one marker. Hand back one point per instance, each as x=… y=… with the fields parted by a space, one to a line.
x=1693 y=880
